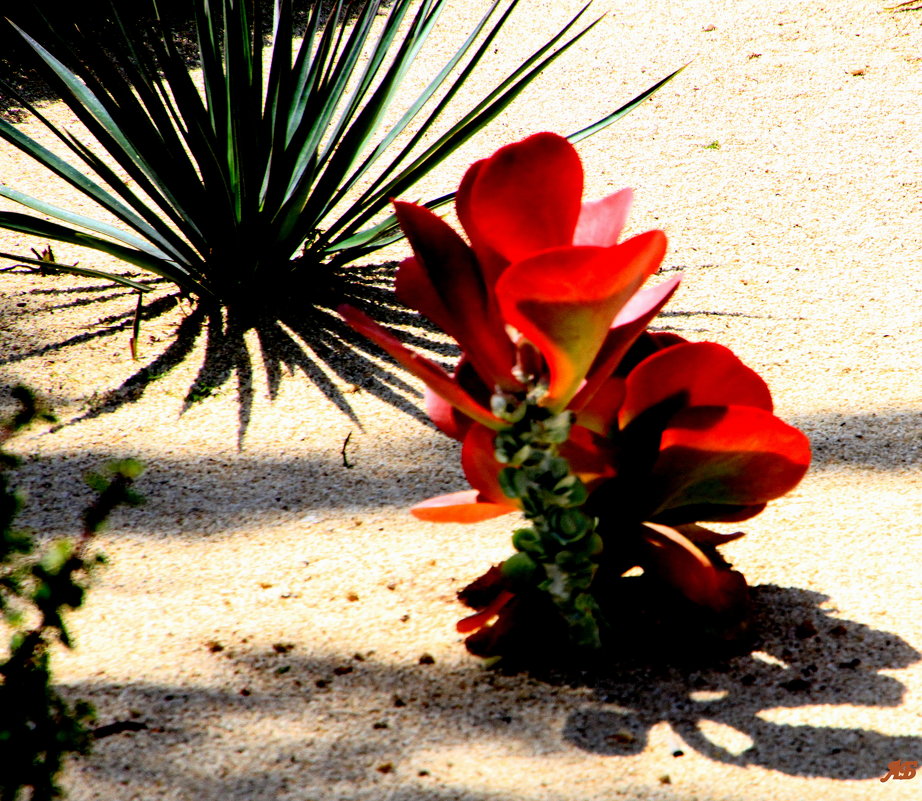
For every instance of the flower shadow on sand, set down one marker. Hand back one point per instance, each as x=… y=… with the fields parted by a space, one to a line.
x=799 y=656
x=831 y=662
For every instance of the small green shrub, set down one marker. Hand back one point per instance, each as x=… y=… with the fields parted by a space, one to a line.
x=38 y=727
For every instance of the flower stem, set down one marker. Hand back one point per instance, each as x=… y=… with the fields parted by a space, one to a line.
x=558 y=553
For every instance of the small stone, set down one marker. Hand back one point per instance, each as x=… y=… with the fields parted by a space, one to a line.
x=214 y=646
x=385 y=767
x=381 y=724
x=664 y=779
x=342 y=670
x=427 y=659
x=398 y=701
x=805 y=630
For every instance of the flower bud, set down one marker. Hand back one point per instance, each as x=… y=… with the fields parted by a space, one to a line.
x=526 y=540
x=507 y=407
x=520 y=568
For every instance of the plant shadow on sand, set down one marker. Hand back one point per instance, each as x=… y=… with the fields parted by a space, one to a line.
x=800 y=656
x=306 y=337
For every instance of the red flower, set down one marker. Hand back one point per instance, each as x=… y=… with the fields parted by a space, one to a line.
x=547 y=307
x=543 y=293
x=686 y=435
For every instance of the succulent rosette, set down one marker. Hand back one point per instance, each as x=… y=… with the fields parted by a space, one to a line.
x=616 y=443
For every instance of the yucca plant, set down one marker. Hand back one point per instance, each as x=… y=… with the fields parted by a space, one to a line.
x=250 y=193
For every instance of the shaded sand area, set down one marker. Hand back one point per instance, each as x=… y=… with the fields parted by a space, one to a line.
x=285 y=630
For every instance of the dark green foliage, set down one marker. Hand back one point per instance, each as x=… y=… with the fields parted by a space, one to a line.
x=252 y=195
x=38 y=586
x=247 y=187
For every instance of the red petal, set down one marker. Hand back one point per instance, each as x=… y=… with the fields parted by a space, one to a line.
x=478 y=459
x=600 y=414
x=601 y=221
x=434 y=376
x=445 y=416
x=481 y=619
x=491 y=263
x=677 y=560
x=701 y=373
x=459 y=507
x=526 y=197
x=737 y=455
x=444 y=282
x=415 y=290
x=628 y=325
x=590 y=455
x=564 y=302
x=697 y=534
x=482 y=591
x=486 y=500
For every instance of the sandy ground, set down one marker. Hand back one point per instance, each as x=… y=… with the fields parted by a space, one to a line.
x=265 y=613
